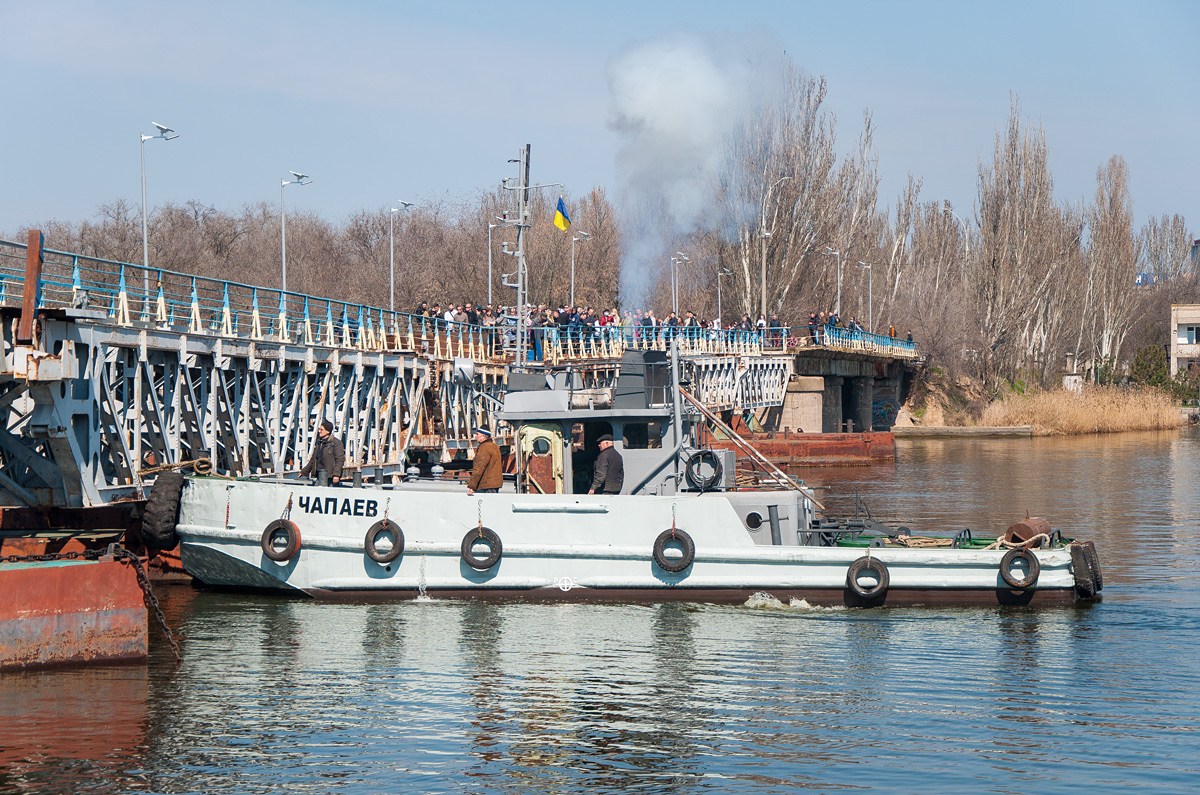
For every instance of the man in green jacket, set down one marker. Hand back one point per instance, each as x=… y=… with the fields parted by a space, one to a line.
x=487 y=475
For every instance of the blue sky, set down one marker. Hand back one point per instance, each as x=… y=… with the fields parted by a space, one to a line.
x=386 y=100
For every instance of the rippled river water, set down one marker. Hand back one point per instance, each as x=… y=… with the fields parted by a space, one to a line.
x=278 y=695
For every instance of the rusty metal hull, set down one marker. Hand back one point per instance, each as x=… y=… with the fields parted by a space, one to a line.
x=820 y=449
x=70 y=612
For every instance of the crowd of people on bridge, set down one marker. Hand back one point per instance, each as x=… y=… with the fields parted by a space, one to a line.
x=584 y=324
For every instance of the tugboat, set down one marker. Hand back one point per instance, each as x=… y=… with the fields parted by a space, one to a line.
x=688 y=524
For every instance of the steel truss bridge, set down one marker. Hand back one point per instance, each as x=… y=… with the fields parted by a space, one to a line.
x=111 y=372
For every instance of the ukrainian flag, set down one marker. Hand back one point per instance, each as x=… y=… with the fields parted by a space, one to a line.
x=561 y=219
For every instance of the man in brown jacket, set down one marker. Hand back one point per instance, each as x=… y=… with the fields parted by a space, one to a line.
x=328 y=455
x=487 y=476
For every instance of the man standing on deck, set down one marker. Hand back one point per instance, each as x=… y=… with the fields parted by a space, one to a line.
x=487 y=476
x=328 y=455
x=609 y=474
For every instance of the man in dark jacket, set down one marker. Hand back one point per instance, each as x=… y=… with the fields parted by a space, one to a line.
x=328 y=454
x=609 y=474
x=487 y=473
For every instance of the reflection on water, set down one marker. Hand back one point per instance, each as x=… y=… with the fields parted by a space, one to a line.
x=279 y=695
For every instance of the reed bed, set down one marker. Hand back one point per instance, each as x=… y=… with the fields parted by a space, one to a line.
x=1094 y=410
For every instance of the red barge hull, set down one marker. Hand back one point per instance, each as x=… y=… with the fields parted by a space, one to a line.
x=786 y=449
x=69 y=612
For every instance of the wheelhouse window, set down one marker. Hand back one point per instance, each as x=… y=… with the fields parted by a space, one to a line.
x=642 y=435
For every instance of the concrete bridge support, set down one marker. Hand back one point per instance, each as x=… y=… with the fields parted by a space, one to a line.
x=862 y=390
x=831 y=404
x=802 y=405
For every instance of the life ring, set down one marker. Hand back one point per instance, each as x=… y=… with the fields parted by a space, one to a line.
x=385 y=526
x=868 y=563
x=290 y=532
x=493 y=542
x=693 y=470
x=1031 y=563
x=674 y=565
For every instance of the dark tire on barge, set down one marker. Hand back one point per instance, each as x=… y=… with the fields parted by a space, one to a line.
x=281 y=530
x=1033 y=569
x=379 y=529
x=876 y=591
x=162 y=512
x=670 y=564
x=1086 y=568
x=488 y=536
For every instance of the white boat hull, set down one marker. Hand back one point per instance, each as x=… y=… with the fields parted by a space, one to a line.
x=560 y=547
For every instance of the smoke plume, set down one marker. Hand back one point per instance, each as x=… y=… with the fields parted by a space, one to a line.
x=674 y=103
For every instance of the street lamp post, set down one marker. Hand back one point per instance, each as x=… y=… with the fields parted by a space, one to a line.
x=870 y=296
x=490 y=228
x=582 y=236
x=167 y=134
x=838 y=253
x=678 y=258
x=300 y=179
x=765 y=236
x=392 y=251
x=721 y=274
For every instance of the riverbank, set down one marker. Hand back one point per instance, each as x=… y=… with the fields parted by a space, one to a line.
x=1093 y=410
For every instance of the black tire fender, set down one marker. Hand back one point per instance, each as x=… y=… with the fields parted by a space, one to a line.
x=378 y=529
x=868 y=563
x=1089 y=549
x=290 y=532
x=161 y=514
x=1081 y=567
x=468 y=548
x=674 y=565
x=692 y=470
x=1031 y=563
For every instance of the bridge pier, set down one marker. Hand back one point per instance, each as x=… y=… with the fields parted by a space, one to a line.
x=831 y=404
x=862 y=391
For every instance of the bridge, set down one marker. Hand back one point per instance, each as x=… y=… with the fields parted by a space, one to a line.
x=112 y=372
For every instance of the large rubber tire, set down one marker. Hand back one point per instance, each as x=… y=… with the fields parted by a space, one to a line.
x=674 y=565
x=291 y=533
x=867 y=563
x=693 y=470
x=162 y=512
x=1089 y=549
x=1031 y=563
x=468 y=550
x=1085 y=577
x=378 y=529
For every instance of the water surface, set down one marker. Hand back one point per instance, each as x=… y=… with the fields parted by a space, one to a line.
x=279 y=695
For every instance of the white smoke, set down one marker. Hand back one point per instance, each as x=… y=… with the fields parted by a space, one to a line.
x=674 y=102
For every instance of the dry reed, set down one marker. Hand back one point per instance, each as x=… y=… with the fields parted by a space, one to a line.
x=1094 y=410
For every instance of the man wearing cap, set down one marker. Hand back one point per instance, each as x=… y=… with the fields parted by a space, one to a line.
x=487 y=475
x=328 y=454
x=609 y=474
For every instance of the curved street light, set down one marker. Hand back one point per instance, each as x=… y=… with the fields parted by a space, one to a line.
x=582 y=236
x=297 y=179
x=392 y=251
x=166 y=134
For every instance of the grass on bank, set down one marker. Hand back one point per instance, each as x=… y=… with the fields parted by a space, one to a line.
x=1097 y=409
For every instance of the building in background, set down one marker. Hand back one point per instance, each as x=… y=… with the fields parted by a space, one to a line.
x=1185 y=336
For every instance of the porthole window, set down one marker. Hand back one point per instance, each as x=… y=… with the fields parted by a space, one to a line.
x=754 y=520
